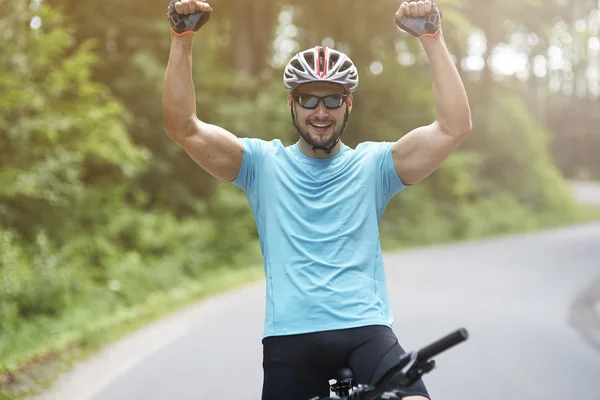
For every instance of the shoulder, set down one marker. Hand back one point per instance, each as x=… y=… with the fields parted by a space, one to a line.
x=257 y=146
x=374 y=148
x=256 y=151
x=260 y=143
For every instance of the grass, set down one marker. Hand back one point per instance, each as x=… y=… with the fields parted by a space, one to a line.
x=585 y=214
x=28 y=371
x=590 y=213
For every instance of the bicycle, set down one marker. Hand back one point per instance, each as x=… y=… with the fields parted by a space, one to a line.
x=409 y=368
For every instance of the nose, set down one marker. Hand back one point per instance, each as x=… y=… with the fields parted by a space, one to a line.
x=321 y=110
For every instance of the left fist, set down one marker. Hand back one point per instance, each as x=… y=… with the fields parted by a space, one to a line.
x=419 y=18
x=414 y=9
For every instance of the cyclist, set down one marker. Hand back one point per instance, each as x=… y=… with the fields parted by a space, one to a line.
x=318 y=203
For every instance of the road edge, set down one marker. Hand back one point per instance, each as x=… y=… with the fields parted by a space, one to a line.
x=89 y=376
x=585 y=313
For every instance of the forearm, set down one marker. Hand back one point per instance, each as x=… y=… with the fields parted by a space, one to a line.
x=449 y=94
x=179 y=99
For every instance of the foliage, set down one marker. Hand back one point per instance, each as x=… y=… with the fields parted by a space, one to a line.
x=75 y=226
x=60 y=133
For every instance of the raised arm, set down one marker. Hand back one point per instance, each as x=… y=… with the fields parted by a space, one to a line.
x=213 y=148
x=421 y=151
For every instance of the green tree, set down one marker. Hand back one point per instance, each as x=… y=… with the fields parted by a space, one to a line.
x=59 y=131
x=133 y=42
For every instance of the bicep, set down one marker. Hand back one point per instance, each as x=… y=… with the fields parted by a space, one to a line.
x=421 y=151
x=216 y=150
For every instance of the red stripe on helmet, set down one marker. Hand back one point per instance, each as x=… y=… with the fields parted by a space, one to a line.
x=325 y=60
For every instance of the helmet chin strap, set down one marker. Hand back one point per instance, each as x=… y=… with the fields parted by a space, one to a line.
x=315 y=146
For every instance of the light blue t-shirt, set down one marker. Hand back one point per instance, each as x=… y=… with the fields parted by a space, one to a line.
x=318 y=223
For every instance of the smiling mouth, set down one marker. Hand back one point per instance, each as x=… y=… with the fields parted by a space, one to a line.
x=321 y=127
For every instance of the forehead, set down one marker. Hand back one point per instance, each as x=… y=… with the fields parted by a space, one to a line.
x=320 y=88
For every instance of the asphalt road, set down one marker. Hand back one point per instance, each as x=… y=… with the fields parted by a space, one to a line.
x=514 y=295
x=587 y=192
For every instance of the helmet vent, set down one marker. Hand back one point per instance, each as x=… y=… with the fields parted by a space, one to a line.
x=298 y=65
x=347 y=65
x=310 y=59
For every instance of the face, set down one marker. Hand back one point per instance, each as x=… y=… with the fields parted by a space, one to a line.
x=321 y=125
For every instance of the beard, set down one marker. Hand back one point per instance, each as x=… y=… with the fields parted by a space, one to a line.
x=323 y=141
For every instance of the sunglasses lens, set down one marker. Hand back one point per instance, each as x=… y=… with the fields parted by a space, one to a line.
x=334 y=101
x=308 y=101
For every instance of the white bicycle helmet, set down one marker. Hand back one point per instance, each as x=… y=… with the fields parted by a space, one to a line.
x=321 y=64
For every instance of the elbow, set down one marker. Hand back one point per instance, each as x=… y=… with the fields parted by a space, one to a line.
x=178 y=129
x=170 y=131
x=466 y=128
x=173 y=133
x=464 y=124
x=462 y=131
x=459 y=129
x=172 y=126
x=177 y=123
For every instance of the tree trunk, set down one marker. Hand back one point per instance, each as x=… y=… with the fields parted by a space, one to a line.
x=252 y=34
x=243 y=55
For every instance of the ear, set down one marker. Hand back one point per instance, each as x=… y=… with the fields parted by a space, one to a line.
x=289 y=101
x=349 y=101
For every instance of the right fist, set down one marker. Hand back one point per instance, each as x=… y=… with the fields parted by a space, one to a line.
x=187 y=7
x=187 y=16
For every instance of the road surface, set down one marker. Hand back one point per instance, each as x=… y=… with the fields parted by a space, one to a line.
x=515 y=295
x=587 y=192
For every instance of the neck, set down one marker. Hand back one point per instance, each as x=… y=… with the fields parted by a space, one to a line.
x=307 y=149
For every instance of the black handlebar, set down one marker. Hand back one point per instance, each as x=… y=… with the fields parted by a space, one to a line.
x=443 y=344
x=409 y=368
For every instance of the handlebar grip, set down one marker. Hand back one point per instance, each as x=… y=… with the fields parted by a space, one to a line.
x=443 y=344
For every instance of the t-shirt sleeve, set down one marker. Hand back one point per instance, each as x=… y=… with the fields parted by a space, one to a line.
x=254 y=151
x=390 y=182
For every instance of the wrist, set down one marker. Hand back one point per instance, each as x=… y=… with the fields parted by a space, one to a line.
x=432 y=39
x=432 y=44
x=185 y=39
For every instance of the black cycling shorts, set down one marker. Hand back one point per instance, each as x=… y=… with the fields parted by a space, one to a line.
x=299 y=367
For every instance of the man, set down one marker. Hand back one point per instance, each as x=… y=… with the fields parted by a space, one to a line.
x=318 y=202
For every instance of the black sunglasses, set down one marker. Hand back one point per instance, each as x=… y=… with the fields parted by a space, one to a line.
x=311 y=102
